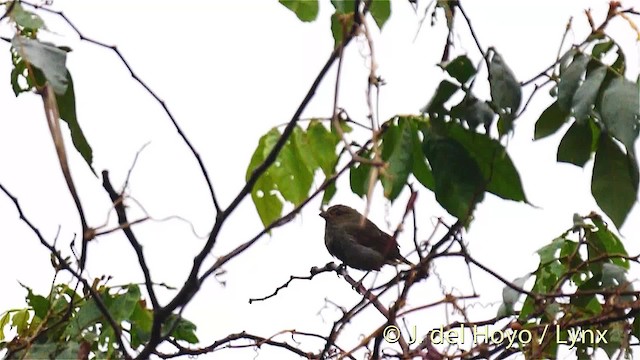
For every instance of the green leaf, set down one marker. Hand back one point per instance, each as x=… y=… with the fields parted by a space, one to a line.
x=88 y=314
x=474 y=112
x=550 y=121
x=601 y=49
x=575 y=146
x=620 y=110
x=67 y=108
x=459 y=183
x=141 y=322
x=39 y=304
x=290 y=173
x=26 y=19
x=443 y=93
x=329 y=192
x=612 y=184
x=305 y=10
x=506 y=93
x=380 y=10
x=124 y=305
x=322 y=144
x=344 y=6
x=302 y=145
x=610 y=241
x=46 y=57
x=460 y=69
x=420 y=169
x=185 y=330
x=548 y=252
x=4 y=320
x=359 y=178
x=340 y=26
x=570 y=81
x=585 y=97
x=399 y=161
x=620 y=65
x=267 y=204
x=491 y=157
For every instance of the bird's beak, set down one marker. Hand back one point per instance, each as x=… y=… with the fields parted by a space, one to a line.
x=323 y=214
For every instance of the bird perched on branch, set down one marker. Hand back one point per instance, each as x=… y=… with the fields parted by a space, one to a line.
x=360 y=245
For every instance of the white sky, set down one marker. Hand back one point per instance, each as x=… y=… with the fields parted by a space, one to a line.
x=229 y=71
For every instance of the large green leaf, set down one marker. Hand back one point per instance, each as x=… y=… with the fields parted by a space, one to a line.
x=612 y=184
x=459 y=183
x=305 y=10
x=498 y=170
x=291 y=174
x=322 y=145
x=46 y=57
x=575 y=147
x=570 y=81
x=620 y=110
x=400 y=160
x=550 y=121
x=585 y=97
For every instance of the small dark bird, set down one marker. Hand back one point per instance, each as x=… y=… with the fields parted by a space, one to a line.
x=359 y=245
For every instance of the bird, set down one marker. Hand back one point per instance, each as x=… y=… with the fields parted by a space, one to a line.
x=359 y=245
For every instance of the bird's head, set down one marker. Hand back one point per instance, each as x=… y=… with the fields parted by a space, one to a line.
x=340 y=214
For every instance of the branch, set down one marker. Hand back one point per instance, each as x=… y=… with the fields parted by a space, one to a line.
x=116 y=199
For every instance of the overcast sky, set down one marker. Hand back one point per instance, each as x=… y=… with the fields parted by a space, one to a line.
x=229 y=71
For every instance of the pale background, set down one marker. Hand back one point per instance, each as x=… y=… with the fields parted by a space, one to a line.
x=229 y=71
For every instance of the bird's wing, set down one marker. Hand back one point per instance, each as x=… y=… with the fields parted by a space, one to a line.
x=370 y=236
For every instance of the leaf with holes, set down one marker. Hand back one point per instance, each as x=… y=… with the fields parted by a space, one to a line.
x=292 y=177
x=46 y=57
x=267 y=204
